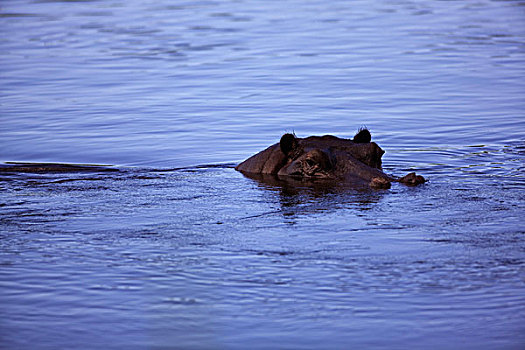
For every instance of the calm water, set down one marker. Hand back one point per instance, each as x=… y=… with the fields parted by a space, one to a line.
x=176 y=250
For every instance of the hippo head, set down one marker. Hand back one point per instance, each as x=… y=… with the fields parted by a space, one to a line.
x=322 y=157
x=326 y=157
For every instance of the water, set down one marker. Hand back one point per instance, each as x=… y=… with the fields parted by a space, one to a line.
x=177 y=250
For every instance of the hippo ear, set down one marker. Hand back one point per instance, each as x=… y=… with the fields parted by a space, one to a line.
x=288 y=143
x=363 y=136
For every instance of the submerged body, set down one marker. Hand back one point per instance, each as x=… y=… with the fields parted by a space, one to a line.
x=326 y=157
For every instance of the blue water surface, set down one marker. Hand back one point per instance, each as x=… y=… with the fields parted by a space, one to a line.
x=177 y=250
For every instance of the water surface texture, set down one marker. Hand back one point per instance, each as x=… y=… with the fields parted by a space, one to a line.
x=174 y=249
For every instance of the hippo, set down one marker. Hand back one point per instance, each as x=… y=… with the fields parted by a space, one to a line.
x=321 y=158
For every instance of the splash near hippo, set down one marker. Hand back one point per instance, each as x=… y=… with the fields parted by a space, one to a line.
x=326 y=158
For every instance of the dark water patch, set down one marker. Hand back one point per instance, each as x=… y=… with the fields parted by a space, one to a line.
x=16 y=15
x=52 y=168
x=279 y=253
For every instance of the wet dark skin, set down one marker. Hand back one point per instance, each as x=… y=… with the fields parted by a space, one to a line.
x=326 y=158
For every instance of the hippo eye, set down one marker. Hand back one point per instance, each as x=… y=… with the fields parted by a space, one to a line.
x=310 y=162
x=316 y=163
x=318 y=158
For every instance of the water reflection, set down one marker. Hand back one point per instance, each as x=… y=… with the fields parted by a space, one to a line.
x=298 y=197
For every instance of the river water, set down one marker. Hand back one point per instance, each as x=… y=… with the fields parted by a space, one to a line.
x=176 y=250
